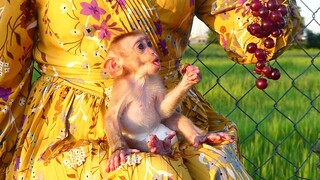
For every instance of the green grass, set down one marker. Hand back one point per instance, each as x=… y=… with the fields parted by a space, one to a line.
x=279 y=126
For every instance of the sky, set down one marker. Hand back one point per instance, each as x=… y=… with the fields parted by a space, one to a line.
x=308 y=9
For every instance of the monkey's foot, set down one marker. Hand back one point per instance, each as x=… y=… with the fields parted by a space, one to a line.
x=161 y=146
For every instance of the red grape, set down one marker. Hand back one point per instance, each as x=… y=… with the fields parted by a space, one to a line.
x=260 y=54
x=263 y=12
x=275 y=15
x=255 y=28
x=283 y=9
x=270 y=15
x=267 y=71
x=184 y=69
x=272 y=4
x=267 y=24
x=275 y=74
x=281 y=23
x=261 y=83
x=260 y=64
x=255 y=13
x=257 y=70
x=265 y=33
x=249 y=29
x=260 y=34
x=255 y=5
x=251 y=47
x=269 y=43
x=276 y=32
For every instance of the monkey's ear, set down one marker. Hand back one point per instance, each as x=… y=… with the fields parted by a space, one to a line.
x=113 y=67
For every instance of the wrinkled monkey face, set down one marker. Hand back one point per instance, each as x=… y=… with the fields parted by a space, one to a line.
x=142 y=57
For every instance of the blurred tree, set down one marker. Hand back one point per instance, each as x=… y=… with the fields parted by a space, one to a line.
x=212 y=37
x=313 y=40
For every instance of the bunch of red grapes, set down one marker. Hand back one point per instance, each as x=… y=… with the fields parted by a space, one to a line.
x=272 y=21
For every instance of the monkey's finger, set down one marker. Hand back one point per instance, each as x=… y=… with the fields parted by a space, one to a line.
x=171 y=134
x=167 y=140
x=110 y=166
x=199 y=140
x=195 y=74
x=153 y=150
x=108 y=169
x=214 y=137
x=225 y=137
x=119 y=158
x=123 y=158
x=110 y=162
x=228 y=137
x=192 y=68
x=193 y=81
x=193 y=77
x=152 y=144
x=116 y=162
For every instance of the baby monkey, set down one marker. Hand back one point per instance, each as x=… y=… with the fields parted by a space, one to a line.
x=142 y=116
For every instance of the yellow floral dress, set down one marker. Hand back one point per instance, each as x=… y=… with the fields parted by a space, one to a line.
x=52 y=129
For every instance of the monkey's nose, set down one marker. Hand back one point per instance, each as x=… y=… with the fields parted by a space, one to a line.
x=152 y=51
x=154 y=54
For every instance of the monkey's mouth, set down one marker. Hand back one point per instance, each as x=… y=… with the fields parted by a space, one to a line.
x=156 y=62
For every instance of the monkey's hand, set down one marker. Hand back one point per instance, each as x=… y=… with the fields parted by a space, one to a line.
x=118 y=158
x=192 y=75
x=213 y=138
x=158 y=146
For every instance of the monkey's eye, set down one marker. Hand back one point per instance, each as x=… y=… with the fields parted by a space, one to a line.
x=141 y=46
x=149 y=43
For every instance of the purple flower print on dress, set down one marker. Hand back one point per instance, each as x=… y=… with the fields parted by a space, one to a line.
x=192 y=2
x=158 y=27
x=119 y=4
x=24 y=117
x=5 y=93
x=92 y=9
x=104 y=33
x=122 y=3
x=177 y=63
x=163 y=46
x=17 y=164
x=106 y=29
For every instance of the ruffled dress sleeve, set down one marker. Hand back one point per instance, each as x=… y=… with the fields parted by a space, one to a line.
x=230 y=19
x=17 y=24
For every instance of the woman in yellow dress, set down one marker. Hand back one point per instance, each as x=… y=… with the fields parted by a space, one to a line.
x=52 y=129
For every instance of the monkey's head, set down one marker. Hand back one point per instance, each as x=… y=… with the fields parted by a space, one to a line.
x=132 y=53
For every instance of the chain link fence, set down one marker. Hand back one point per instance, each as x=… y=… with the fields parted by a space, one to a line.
x=279 y=132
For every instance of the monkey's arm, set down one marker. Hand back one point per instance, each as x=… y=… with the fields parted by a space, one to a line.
x=112 y=120
x=173 y=98
x=184 y=126
x=113 y=130
x=193 y=134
